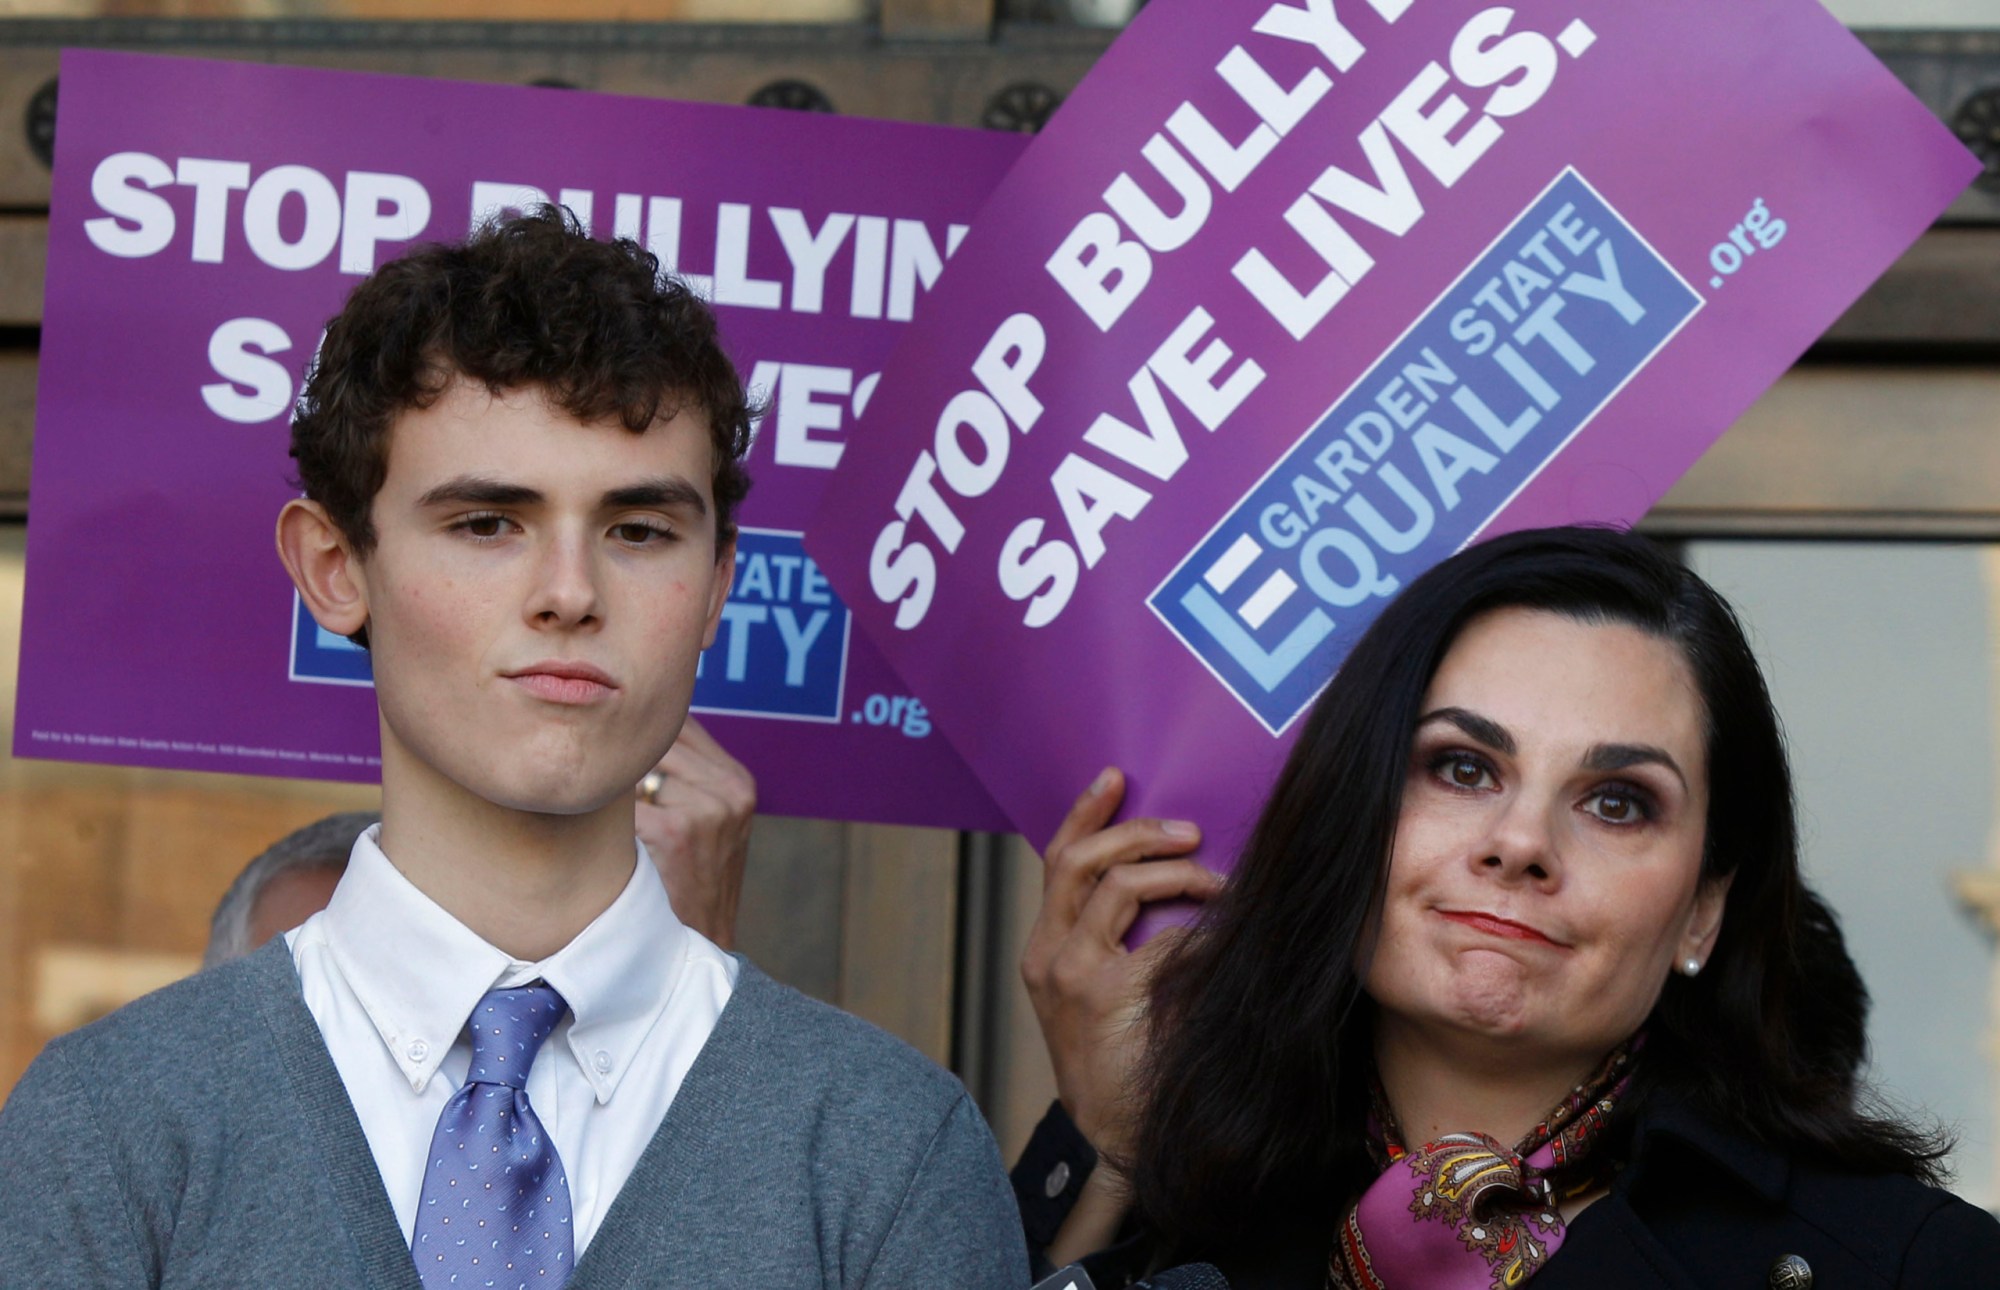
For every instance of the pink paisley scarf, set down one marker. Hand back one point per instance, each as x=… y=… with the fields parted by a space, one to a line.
x=1464 y=1212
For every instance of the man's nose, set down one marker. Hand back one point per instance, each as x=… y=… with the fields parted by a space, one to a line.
x=567 y=586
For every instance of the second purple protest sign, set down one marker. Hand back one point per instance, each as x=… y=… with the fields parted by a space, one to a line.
x=1291 y=301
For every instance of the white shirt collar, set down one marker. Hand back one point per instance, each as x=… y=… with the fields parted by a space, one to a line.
x=418 y=972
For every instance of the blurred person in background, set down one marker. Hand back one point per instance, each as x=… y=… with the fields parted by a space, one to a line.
x=288 y=883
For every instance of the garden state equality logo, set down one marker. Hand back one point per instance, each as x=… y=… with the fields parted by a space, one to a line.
x=1419 y=455
x=780 y=650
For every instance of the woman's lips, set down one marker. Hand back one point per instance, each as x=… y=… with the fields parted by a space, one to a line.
x=1494 y=925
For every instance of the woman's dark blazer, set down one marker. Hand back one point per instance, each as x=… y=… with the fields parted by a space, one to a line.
x=1702 y=1209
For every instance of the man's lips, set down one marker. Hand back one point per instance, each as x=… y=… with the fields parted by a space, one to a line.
x=563 y=681
x=1494 y=925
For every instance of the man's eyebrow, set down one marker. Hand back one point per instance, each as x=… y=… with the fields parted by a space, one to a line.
x=1604 y=757
x=479 y=490
x=1484 y=729
x=660 y=494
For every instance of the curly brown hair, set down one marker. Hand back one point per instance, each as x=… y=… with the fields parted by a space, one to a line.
x=528 y=301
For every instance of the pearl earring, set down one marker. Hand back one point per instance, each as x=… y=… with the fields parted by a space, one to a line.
x=1691 y=966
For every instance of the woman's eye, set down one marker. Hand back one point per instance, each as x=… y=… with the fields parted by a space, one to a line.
x=1463 y=772
x=1618 y=806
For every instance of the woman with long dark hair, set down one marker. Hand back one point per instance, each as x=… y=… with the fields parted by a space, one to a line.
x=1517 y=980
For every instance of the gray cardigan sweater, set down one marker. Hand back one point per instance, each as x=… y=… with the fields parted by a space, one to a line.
x=201 y=1137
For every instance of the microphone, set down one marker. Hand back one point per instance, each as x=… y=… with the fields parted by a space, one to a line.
x=1188 y=1276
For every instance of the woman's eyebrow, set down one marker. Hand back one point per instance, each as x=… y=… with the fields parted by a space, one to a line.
x=1484 y=729
x=1603 y=757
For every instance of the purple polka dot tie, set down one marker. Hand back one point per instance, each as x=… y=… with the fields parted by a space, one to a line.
x=495 y=1204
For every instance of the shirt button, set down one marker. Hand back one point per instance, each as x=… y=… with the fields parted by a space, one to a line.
x=418 y=1050
x=1791 y=1273
x=602 y=1061
x=1057 y=1180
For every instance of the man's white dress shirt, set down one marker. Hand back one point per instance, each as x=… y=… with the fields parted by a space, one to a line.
x=391 y=978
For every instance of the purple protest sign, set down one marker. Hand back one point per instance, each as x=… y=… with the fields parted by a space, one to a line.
x=1292 y=300
x=208 y=218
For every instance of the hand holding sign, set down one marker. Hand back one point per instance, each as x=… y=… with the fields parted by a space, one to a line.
x=694 y=814
x=1087 y=989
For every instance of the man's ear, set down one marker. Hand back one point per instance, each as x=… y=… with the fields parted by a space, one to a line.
x=323 y=567
x=718 y=593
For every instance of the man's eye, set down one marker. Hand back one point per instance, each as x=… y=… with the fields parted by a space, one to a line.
x=639 y=534
x=481 y=526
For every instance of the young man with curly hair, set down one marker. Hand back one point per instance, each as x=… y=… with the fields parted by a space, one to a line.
x=496 y=1058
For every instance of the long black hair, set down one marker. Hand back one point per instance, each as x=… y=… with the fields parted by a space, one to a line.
x=1257 y=1079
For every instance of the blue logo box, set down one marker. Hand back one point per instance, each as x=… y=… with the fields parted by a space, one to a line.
x=318 y=655
x=1425 y=449
x=781 y=650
